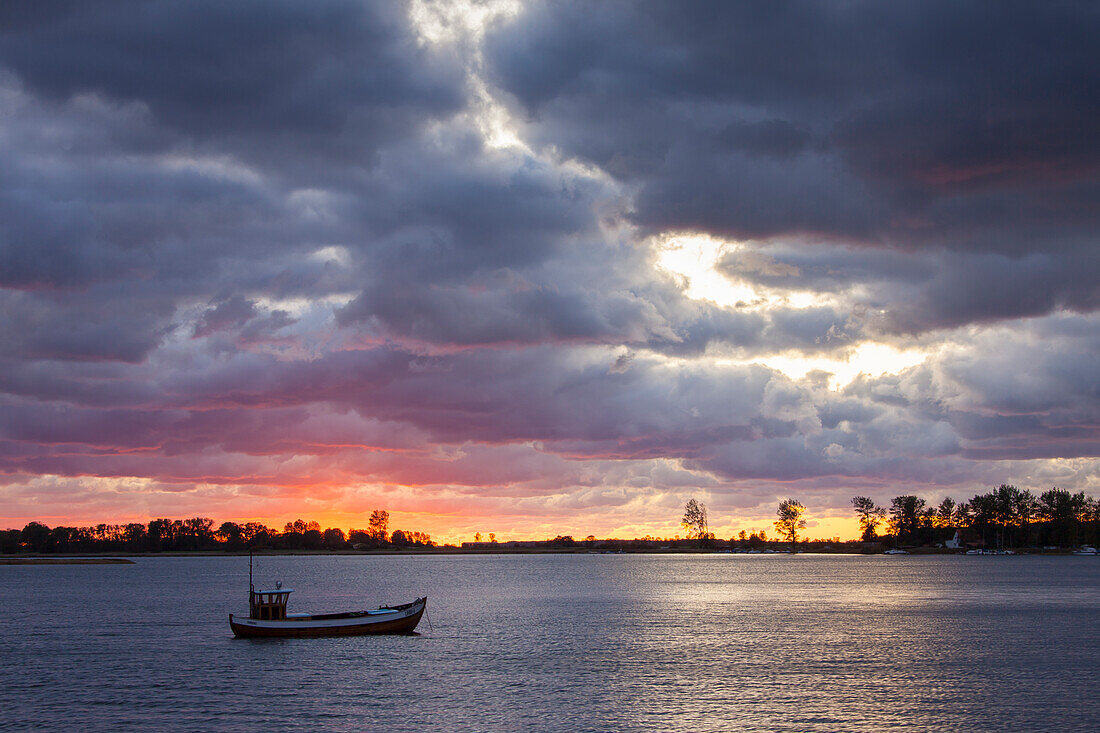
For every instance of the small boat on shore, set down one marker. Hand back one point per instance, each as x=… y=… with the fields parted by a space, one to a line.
x=267 y=617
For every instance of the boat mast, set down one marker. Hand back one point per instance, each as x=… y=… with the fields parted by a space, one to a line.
x=251 y=588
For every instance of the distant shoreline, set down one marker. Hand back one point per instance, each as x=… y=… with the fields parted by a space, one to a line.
x=122 y=558
x=62 y=560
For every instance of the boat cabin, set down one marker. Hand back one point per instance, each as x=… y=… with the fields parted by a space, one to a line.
x=268 y=605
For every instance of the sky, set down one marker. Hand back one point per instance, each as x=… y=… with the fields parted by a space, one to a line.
x=540 y=268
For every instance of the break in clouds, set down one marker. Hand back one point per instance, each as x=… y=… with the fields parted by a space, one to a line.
x=263 y=259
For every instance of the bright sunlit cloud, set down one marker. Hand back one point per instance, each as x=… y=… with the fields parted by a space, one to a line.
x=872 y=359
x=465 y=23
x=450 y=22
x=695 y=258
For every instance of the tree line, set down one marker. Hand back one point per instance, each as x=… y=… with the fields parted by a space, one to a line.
x=1004 y=517
x=199 y=534
x=790 y=520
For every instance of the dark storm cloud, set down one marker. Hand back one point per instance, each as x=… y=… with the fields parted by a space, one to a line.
x=334 y=78
x=910 y=91
x=990 y=287
x=449 y=242
x=131 y=127
x=158 y=153
x=943 y=125
x=229 y=312
x=103 y=236
x=99 y=240
x=916 y=291
x=472 y=246
x=88 y=326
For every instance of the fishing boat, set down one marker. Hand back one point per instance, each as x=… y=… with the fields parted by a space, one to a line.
x=267 y=617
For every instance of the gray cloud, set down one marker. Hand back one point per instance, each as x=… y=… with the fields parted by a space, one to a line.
x=271 y=81
x=945 y=126
x=739 y=422
x=267 y=244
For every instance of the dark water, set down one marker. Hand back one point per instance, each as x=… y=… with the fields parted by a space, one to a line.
x=563 y=643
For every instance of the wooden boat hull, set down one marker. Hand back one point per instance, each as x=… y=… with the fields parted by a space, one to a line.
x=393 y=620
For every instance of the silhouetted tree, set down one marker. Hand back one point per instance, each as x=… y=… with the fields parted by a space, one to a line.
x=134 y=536
x=1063 y=512
x=161 y=535
x=1091 y=530
x=378 y=524
x=36 y=537
x=294 y=534
x=101 y=537
x=419 y=538
x=312 y=539
x=232 y=535
x=695 y=522
x=256 y=534
x=870 y=516
x=334 y=539
x=945 y=514
x=1013 y=509
x=361 y=538
x=982 y=517
x=907 y=517
x=1023 y=509
x=10 y=540
x=70 y=539
x=197 y=534
x=790 y=520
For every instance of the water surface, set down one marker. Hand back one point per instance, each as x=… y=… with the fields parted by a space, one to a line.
x=562 y=643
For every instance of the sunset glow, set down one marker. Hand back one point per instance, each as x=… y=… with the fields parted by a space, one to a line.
x=537 y=269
